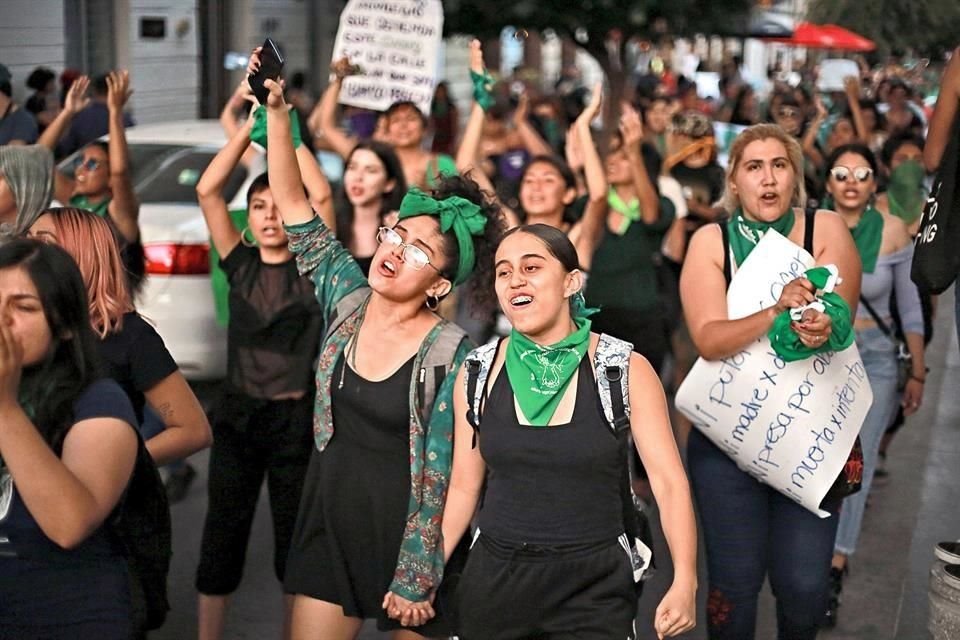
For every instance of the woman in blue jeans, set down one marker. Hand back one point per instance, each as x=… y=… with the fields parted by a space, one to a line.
x=886 y=252
x=752 y=531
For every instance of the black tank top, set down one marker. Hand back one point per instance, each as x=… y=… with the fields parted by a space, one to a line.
x=550 y=485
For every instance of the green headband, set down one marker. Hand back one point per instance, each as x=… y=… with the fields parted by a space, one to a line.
x=464 y=217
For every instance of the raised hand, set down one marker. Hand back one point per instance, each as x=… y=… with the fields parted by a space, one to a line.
x=573 y=150
x=592 y=110
x=631 y=128
x=275 y=101
x=77 y=98
x=476 y=57
x=118 y=89
x=342 y=67
x=11 y=364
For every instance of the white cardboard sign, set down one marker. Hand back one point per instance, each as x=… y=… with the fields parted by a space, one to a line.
x=790 y=425
x=397 y=44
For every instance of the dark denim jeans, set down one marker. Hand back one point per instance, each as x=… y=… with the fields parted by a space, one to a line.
x=751 y=532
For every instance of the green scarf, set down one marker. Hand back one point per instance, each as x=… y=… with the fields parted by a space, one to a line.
x=787 y=344
x=101 y=208
x=905 y=192
x=483 y=89
x=745 y=234
x=629 y=210
x=539 y=375
x=258 y=133
x=465 y=218
x=867 y=235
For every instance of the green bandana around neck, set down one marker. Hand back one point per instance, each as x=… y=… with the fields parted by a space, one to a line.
x=905 y=192
x=629 y=210
x=258 y=133
x=464 y=217
x=539 y=375
x=745 y=234
x=867 y=236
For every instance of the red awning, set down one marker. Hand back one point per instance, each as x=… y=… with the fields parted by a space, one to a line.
x=827 y=36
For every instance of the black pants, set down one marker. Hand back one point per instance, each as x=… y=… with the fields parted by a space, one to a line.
x=252 y=438
x=518 y=592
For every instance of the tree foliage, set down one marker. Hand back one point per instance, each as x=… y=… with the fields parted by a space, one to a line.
x=925 y=26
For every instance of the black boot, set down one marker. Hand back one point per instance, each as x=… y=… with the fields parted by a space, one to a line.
x=833 y=604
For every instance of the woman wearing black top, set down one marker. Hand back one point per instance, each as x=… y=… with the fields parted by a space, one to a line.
x=67 y=449
x=547 y=562
x=263 y=422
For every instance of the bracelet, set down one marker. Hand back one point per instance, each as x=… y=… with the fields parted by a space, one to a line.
x=920 y=380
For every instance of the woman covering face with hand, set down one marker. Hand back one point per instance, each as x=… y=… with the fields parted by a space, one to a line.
x=68 y=448
x=550 y=558
x=750 y=529
x=367 y=539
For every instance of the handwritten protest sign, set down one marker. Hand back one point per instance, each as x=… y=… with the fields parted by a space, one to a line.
x=788 y=424
x=397 y=44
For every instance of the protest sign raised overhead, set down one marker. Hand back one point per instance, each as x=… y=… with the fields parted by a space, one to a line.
x=396 y=43
x=790 y=425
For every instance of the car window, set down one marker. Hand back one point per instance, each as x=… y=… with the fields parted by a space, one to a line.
x=175 y=179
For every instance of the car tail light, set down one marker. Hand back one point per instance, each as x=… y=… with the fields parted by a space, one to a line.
x=171 y=259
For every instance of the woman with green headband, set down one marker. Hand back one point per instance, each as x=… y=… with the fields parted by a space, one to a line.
x=886 y=251
x=548 y=560
x=367 y=540
x=752 y=531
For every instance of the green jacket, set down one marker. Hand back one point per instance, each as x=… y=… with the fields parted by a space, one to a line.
x=336 y=275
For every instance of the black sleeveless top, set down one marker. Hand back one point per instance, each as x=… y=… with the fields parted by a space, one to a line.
x=550 y=485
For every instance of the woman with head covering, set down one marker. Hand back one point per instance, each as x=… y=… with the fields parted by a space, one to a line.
x=26 y=185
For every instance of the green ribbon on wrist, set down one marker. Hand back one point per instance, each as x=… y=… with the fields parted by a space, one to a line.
x=483 y=89
x=258 y=133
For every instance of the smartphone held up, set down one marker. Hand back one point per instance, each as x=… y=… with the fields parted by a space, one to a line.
x=271 y=65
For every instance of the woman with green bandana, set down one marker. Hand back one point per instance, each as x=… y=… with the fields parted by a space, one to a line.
x=367 y=541
x=547 y=561
x=102 y=181
x=751 y=530
x=906 y=194
x=886 y=252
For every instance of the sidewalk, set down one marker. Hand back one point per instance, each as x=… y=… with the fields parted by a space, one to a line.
x=885 y=595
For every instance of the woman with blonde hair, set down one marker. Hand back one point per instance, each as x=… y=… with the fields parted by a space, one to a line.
x=752 y=531
x=132 y=350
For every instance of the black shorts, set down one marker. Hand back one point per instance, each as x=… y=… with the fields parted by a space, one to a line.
x=514 y=592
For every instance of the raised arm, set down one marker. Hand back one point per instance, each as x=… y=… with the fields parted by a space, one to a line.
x=231 y=114
x=851 y=86
x=810 y=137
x=124 y=209
x=75 y=100
x=938 y=135
x=223 y=233
x=631 y=128
x=322 y=121
x=468 y=153
x=595 y=214
x=317 y=186
x=532 y=141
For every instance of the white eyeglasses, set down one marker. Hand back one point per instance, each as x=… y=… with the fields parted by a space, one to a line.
x=411 y=255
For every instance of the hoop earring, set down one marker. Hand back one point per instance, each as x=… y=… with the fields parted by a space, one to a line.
x=243 y=238
x=433 y=302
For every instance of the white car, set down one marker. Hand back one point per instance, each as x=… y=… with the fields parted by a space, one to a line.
x=167 y=161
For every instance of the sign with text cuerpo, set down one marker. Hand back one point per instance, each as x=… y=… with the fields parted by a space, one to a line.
x=790 y=425
x=396 y=43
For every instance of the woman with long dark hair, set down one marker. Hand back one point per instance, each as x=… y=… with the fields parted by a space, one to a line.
x=68 y=448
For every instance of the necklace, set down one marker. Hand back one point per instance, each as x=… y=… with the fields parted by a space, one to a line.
x=350 y=357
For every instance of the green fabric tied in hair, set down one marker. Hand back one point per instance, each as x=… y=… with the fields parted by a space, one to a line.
x=465 y=218
x=787 y=343
x=258 y=133
x=483 y=89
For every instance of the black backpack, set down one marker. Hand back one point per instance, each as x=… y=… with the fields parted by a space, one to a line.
x=140 y=524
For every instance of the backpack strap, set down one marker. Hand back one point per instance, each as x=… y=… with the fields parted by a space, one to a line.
x=612 y=364
x=725 y=243
x=437 y=363
x=809 y=219
x=478 y=362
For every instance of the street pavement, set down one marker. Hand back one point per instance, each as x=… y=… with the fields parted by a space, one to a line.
x=885 y=595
